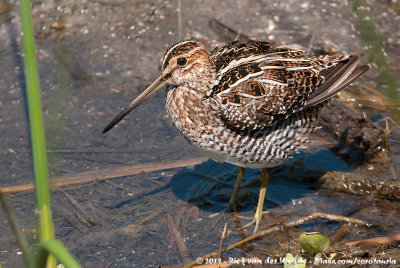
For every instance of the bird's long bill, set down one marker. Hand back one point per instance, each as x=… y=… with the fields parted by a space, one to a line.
x=156 y=85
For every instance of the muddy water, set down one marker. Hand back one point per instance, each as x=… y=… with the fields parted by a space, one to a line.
x=94 y=57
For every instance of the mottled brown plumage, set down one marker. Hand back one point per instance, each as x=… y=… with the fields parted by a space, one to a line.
x=251 y=104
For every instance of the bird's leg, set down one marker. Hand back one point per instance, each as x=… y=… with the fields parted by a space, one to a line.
x=234 y=202
x=264 y=183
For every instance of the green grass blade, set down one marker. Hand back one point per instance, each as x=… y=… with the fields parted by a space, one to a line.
x=36 y=124
x=55 y=248
x=47 y=242
x=12 y=220
x=46 y=228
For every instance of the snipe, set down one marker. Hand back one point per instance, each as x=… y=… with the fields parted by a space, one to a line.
x=249 y=104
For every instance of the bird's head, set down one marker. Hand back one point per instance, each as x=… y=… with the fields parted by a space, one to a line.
x=186 y=64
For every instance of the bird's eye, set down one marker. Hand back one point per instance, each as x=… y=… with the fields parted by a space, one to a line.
x=181 y=61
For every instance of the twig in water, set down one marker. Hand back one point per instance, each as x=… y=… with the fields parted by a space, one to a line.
x=108 y=173
x=178 y=238
x=224 y=235
x=240 y=36
x=299 y=221
x=199 y=260
x=385 y=240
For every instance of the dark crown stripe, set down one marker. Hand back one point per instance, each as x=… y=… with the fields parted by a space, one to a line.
x=179 y=48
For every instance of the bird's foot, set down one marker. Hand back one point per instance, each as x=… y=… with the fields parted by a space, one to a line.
x=256 y=220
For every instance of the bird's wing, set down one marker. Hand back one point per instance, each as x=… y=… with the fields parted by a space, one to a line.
x=337 y=78
x=235 y=51
x=258 y=90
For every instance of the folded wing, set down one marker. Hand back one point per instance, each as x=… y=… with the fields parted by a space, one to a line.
x=255 y=90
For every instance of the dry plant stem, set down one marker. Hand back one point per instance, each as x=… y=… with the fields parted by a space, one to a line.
x=179 y=19
x=274 y=222
x=221 y=242
x=178 y=238
x=108 y=173
x=385 y=240
x=387 y=133
x=195 y=262
x=340 y=233
x=388 y=130
x=297 y=222
x=367 y=96
x=153 y=214
x=240 y=36
x=77 y=151
x=242 y=19
x=93 y=159
x=314 y=33
x=371 y=90
x=73 y=201
x=339 y=181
